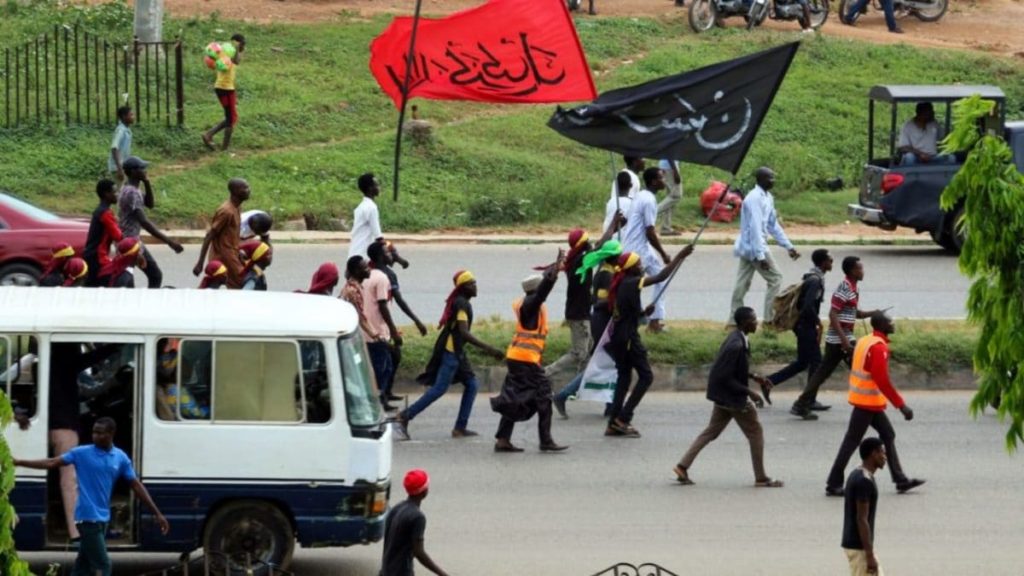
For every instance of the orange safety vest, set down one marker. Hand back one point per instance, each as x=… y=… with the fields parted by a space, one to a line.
x=528 y=345
x=864 y=391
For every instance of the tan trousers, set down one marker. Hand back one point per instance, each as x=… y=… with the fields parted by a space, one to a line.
x=578 y=353
x=745 y=274
x=859 y=563
x=746 y=419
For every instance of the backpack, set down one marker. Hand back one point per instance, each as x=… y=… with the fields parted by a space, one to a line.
x=786 y=307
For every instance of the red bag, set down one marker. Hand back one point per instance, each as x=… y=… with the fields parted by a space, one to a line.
x=728 y=209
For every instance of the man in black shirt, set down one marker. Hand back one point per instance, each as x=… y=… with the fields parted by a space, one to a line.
x=577 y=305
x=808 y=323
x=625 y=345
x=404 y=529
x=860 y=504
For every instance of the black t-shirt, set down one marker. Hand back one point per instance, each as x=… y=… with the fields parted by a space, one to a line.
x=404 y=525
x=577 y=293
x=601 y=283
x=859 y=487
x=628 y=309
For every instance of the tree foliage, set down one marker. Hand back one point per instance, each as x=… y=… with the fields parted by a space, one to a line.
x=9 y=561
x=991 y=191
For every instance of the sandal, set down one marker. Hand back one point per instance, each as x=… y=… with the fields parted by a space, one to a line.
x=681 y=476
x=768 y=483
x=624 y=429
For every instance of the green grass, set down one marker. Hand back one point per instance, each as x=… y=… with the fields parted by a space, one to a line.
x=933 y=346
x=313 y=119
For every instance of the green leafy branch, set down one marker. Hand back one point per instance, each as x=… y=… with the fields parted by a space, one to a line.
x=9 y=561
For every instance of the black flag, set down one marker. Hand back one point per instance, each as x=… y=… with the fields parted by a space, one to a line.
x=708 y=116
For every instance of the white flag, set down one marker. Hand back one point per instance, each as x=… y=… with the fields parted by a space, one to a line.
x=600 y=375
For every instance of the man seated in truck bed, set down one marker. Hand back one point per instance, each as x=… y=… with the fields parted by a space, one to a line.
x=919 y=139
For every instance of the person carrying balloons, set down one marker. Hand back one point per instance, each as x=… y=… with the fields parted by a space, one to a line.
x=224 y=57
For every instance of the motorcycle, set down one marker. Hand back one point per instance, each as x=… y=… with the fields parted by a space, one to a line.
x=704 y=14
x=923 y=10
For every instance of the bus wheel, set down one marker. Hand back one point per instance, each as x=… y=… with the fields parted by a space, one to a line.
x=248 y=535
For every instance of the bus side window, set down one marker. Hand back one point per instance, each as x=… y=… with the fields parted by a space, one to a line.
x=188 y=369
x=19 y=372
x=314 y=377
x=257 y=382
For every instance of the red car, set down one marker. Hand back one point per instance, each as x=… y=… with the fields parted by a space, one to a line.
x=27 y=237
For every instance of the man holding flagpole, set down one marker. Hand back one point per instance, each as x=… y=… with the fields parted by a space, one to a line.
x=641 y=236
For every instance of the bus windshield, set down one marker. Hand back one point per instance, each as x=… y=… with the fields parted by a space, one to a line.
x=360 y=398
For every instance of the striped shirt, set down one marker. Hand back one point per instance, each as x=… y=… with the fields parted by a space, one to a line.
x=844 y=302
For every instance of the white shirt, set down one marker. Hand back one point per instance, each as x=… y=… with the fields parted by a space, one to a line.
x=922 y=139
x=612 y=206
x=245 y=231
x=642 y=215
x=757 y=220
x=365 y=227
x=634 y=186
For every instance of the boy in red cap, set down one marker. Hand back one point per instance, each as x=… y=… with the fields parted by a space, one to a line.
x=404 y=529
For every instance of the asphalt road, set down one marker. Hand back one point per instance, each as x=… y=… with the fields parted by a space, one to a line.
x=612 y=500
x=918 y=282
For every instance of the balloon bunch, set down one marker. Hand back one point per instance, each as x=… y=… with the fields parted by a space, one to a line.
x=218 y=56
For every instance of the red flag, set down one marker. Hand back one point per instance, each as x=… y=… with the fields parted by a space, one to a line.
x=503 y=51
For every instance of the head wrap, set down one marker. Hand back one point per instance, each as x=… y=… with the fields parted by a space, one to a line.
x=74 y=270
x=531 y=282
x=627 y=260
x=324 y=280
x=577 y=244
x=127 y=253
x=416 y=482
x=215 y=272
x=59 y=255
x=595 y=257
x=461 y=278
x=255 y=253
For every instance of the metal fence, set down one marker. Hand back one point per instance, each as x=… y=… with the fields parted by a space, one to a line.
x=69 y=75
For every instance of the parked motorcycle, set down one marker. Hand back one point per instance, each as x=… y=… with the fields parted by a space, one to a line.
x=924 y=10
x=704 y=14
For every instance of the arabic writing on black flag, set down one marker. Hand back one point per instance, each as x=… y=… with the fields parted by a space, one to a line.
x=708 y=116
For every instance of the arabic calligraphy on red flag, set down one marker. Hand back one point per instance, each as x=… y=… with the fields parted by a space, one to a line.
x=512 y=51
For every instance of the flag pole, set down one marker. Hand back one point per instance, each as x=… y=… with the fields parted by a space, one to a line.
x=409 y=60
x=703 y=226
x=615 y=189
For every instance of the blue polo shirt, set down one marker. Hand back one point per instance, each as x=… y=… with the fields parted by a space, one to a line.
x=97 y=470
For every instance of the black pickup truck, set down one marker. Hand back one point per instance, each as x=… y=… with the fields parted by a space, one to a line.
x=894 y=195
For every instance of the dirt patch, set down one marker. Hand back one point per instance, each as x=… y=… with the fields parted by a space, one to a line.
x=989 y=26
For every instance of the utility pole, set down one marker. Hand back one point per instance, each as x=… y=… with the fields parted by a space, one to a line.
x=149 y=20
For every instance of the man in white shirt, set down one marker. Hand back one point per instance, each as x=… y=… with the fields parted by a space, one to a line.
x=758 y=219
x=621 y=203
x=674 y=184
x=634 y=166
x=919 y=139
x=640 y=235
x=255 y=223
x=365 y=218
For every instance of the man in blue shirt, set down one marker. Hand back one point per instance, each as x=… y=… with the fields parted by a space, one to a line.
x=758 y=219
x=98 y=466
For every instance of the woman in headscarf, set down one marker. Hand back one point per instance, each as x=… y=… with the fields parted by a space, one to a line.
x=215 y=275
x=53 y=273
x=324 y=280
x=256 y=256
x=118 y=272
x=74 y=273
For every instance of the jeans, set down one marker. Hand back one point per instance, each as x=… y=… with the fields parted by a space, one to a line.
x=808 y=355
x=154 y=275
x=445 y=374
x=909 y=159
x=396 y=361
x=833 y=356
x=570 y=389
x=380 y=358
x=745 y=274
x=858 y=5
x=746 y=419
x=633 y=357
x=860 y=419
x=92 y=550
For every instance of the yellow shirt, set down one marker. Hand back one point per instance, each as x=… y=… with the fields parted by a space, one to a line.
x=226 y=79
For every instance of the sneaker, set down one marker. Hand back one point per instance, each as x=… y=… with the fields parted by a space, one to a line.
x=819 y=407
x=833 y=492
x=463 y=433
x=904 y=487
x=897 y=30
x=559 y=404
x=803 y=413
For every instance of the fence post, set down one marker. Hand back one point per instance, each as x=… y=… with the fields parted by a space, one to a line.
x=46 y=73
x=138 y=101
x=37 y=79
x=78 y=90
x=146 y=59
x=106 y=78
x=67 y=80
x=96 y=74
x=7 y=87
x=179 y=83
x=28 y=76
x=17 y=86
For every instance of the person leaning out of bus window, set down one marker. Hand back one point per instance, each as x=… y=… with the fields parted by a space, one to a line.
x=98 y=466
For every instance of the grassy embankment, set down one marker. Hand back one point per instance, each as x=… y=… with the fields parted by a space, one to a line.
x=312 y=119
x=933 y=346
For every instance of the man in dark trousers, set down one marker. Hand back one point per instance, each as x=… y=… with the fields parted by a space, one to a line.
x=404 y=529
x=808 y=323
x=131 y=205
x=861 y=502
x=839 y=341
x=527 y=390
x=728 y=388
x=625 y=345
x=869 y=388
x=98 y=466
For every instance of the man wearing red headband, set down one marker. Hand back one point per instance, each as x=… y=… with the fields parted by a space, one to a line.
x=449 y=362
x=74 y=273
x=625 y=345
x=216 y=275
x=53 y=274
x=404 y=529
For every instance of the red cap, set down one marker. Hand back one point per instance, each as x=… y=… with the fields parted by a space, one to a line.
x=416 y=482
